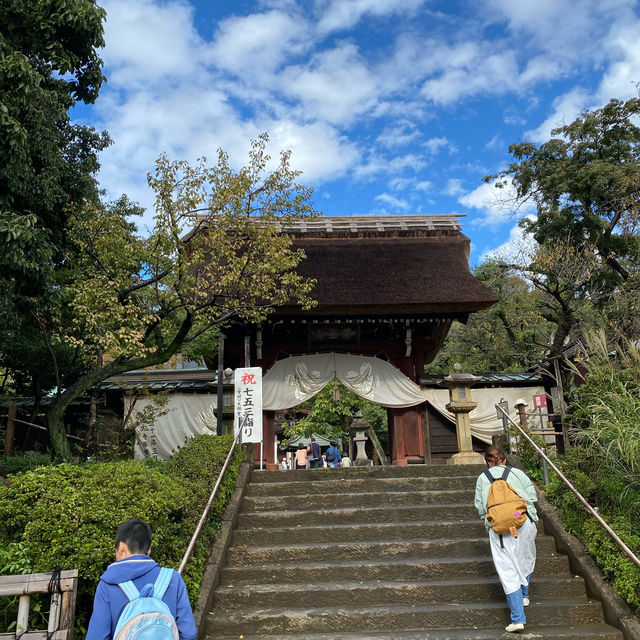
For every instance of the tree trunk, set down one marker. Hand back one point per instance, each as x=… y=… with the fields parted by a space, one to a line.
x=57 y=432
x=55 y=415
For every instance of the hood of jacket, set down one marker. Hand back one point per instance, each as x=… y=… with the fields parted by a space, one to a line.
x=128 y=569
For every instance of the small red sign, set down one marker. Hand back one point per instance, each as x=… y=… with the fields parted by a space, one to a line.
x=539 y=401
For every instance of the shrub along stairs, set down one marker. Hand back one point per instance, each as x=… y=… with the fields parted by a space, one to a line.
x=381 y=553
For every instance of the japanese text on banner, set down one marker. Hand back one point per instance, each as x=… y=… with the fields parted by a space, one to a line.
x=248 y=404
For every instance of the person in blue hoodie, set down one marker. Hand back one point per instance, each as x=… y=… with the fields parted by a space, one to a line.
x=133 y=545
x=333 y=456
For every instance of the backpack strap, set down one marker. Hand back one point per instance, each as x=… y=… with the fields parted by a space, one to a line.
x=488 y=474
x=129 y=589
x=506 y=472
x=162 y=582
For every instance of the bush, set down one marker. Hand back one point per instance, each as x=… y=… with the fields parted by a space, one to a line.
x=604 y=487
x=616 y=566
x=68 y=514
x=17 y=464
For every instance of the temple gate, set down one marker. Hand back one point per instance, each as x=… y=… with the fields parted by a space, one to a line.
x=388 y=287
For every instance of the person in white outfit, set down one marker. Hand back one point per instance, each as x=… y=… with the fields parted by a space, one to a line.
x=513 y=556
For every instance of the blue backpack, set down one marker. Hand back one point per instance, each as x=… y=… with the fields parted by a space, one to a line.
x=146 y=616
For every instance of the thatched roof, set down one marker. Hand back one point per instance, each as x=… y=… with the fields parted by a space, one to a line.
x=388 y=265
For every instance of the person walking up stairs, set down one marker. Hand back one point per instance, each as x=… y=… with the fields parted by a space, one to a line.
x=381 y=553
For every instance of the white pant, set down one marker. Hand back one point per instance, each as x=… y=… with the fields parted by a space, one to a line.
x=516 y=558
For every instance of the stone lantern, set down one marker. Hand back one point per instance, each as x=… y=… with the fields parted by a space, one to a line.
x=461 y=405
x=359 y=428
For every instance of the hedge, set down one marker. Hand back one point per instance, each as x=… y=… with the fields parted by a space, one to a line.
x=23 y=462
x=606 y=488
x=68 y=514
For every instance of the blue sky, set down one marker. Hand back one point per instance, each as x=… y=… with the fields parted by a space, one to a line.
x=389 y=106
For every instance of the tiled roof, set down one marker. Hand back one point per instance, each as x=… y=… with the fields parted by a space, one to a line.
x=491 y=378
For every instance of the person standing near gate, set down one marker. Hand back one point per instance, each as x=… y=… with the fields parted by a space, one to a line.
x=333 y=456
x=514 y=551
x=301 y=457
x=315 y=459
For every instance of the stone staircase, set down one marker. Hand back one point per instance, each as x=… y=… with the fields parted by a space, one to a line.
x=382 y=553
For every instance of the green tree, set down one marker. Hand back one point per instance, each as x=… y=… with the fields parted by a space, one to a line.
x=129 y=302
x=509 y=336
x=585 y=183
x=332 y=418
x=48 y=63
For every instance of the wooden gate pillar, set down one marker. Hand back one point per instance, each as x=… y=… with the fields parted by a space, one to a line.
x=269 y=461
x=396 y=436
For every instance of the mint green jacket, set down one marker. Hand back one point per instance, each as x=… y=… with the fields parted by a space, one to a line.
x=519 y=482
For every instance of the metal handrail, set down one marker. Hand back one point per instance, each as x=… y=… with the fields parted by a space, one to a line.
x=205 y=513
x=586 y=505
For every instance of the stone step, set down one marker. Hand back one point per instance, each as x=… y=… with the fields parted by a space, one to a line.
x=292 y=569
x=413 y=471
x=359 y=532
x=357 y=515
x=312 y=501
x=351 y=593
x=367 y=485
x=340 y=552
x=532 y=632
x=468 y=615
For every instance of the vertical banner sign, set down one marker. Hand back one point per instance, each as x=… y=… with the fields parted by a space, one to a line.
x=539 y=401
x=247 y=416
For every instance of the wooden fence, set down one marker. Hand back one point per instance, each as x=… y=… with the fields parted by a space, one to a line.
x=63 y=604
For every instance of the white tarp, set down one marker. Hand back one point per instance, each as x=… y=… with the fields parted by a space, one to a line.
x=188 y=415
x=293 y=380
x=484 y=422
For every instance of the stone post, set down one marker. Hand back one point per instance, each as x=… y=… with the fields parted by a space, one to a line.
x=461 y=405
x=359 y=427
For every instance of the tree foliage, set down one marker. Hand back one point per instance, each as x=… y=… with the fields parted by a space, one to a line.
x=332 y=418
x=583 y=271
x=48 y=62
x=585 y=183
x=606 y=407
x=509 y=336
x=128 y=301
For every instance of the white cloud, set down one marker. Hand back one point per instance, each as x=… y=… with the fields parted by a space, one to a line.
x=393 y=202
x=518 y=244
x=470 y=69
x=423 y=185
x=620 y=78
x=317 y=149
x=568 y=29
x=256 y=44
x=496 y=143
x=498 y=206
x=566 y=108
x=342 y=14
x=435 y=144
x=335 y=86
x=147 y=42
x=377 y=165
x=454 y=187
x=398 y=134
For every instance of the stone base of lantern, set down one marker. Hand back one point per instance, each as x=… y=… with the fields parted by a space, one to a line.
x=466 y=457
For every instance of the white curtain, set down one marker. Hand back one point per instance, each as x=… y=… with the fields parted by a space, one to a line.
x=484 y=421
x=293 y=380
x=188 y=415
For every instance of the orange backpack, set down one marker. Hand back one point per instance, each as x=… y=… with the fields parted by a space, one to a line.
x=505 y=508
